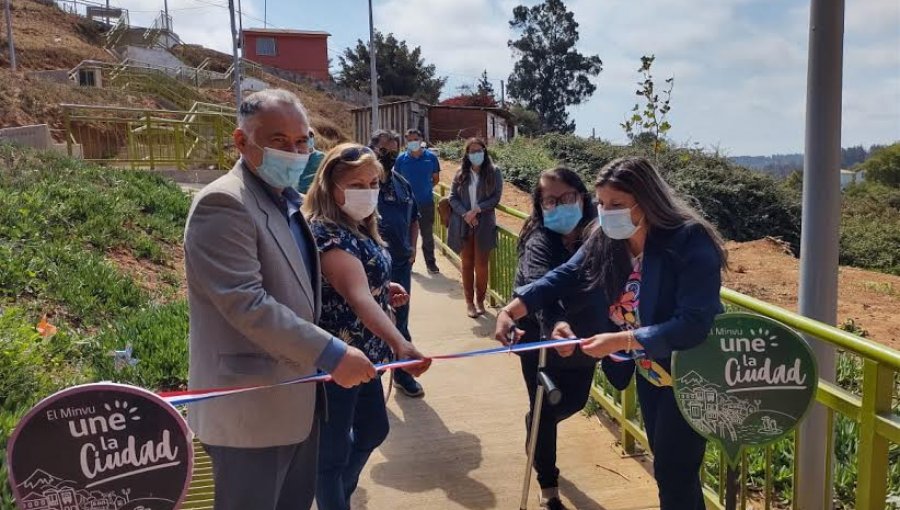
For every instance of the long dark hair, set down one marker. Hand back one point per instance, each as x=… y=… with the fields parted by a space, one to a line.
x=565 y=176
x=608 y=263
x=461 y=180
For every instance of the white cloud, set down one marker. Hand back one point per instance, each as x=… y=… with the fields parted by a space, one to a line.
x=461 y=37
x=204 y=22
x=739 y=65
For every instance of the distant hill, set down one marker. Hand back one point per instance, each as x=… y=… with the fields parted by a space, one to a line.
x=782 y=165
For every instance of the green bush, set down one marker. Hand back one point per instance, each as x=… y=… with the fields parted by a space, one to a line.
x=61 y=221
x=159 y=338
x=870 y=227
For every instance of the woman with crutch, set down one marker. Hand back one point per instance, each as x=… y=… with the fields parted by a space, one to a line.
x=647 y=281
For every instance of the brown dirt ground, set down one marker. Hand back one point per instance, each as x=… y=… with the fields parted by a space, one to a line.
x=765 y=269
x=48 y=38
x=150 y=275
x=34 y=101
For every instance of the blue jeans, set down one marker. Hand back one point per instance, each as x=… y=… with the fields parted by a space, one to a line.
x=356 y=424
x=401 y=272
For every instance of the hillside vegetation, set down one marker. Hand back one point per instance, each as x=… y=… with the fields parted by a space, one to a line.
x=48 y=38
x=96 y=252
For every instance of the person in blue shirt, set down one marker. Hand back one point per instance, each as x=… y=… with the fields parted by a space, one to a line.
x=399 y=227
x=645 y=283
x=312 y=164
x=421 y=169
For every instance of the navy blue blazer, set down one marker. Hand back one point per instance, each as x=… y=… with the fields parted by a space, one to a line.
x=680 y=281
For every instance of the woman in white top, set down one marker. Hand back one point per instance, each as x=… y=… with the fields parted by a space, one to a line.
x=474 y=194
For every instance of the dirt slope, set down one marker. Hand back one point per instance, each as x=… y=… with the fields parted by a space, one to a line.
x=766 y=270
x=48 y=38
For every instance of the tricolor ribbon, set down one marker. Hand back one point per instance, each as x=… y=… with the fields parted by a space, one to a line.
x=177 y=398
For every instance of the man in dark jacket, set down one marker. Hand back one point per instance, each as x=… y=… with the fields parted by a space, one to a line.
x=399 y=227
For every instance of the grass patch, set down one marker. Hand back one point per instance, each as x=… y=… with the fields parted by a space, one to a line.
x=60 y=222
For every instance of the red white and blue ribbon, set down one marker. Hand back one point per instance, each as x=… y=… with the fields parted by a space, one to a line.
x=190 y=396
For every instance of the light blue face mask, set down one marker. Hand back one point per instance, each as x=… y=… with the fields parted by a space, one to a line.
x=281 y=169
x=563 y=218
x=616 y=223
x=477 y=158
x=414 y=145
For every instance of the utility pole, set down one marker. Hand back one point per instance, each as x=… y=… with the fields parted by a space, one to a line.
x=240 y=28
x=9 y=36
x=373 y=72
x=168 y=20
x=502 y=94
x=236 y=66
x=265 y=11
x=819 y=235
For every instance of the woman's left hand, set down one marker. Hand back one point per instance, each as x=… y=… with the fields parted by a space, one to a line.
x=408 y=351
x=398 y=295
x=602 y=345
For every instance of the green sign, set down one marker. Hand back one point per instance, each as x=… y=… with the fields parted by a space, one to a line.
x=749 y=384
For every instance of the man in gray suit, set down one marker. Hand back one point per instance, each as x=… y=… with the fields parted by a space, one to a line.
x=254 y=294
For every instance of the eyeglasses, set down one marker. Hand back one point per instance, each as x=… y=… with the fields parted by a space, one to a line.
x=568 y=198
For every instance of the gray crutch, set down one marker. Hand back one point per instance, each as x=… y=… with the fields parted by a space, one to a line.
x=545 y=386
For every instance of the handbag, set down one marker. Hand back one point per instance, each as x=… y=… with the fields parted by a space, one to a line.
x=444 y=211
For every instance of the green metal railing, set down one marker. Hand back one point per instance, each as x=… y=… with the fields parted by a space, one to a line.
x=879 y=427
x=139 y=138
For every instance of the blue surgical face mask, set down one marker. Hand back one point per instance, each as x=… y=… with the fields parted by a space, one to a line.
x=281 y=169
x=616 y=223
x=477 y=158
x=414 y=145
x=563 y=218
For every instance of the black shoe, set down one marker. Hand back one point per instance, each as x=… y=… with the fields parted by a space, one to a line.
x=433 y=269
x=408 y=385
x=553 y=504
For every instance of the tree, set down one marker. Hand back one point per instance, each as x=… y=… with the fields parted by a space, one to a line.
x=883 y=166
x=484 y=87
x=528 y=122
x=550 y=73
x=401 y=71
x=650 y=124
x=481 y=94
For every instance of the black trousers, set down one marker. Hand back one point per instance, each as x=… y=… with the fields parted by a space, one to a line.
x=575 y=385
x=677 y=449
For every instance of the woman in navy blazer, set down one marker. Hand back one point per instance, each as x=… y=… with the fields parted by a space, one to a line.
x=645 y=284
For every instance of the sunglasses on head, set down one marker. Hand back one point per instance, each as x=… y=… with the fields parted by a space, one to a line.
x=352 y=154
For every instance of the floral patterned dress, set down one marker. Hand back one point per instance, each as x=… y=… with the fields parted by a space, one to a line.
x=338 y=317
x=625 y=314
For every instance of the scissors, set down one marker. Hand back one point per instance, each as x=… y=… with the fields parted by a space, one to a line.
x=511 y=338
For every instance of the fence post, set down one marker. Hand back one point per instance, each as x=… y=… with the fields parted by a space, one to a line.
x=629 y=413
x=180 y=155
x=871 y=488
x=220 y=142
x=132 y=150
x=148 y=126
x=69 y=137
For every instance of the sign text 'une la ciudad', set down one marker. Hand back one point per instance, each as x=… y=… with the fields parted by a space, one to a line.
x=749 y=384
x=101 y=446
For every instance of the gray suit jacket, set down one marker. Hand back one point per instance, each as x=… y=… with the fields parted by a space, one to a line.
x=253 y=309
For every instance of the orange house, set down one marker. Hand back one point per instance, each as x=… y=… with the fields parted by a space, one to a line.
x=301 y=51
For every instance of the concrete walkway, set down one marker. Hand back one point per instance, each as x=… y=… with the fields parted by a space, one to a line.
x=462 y=446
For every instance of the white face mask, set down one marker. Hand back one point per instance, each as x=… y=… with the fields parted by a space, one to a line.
x=616 y=223
x=360 y=203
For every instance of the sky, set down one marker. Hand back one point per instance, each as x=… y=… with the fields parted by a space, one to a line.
x=739 y=65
